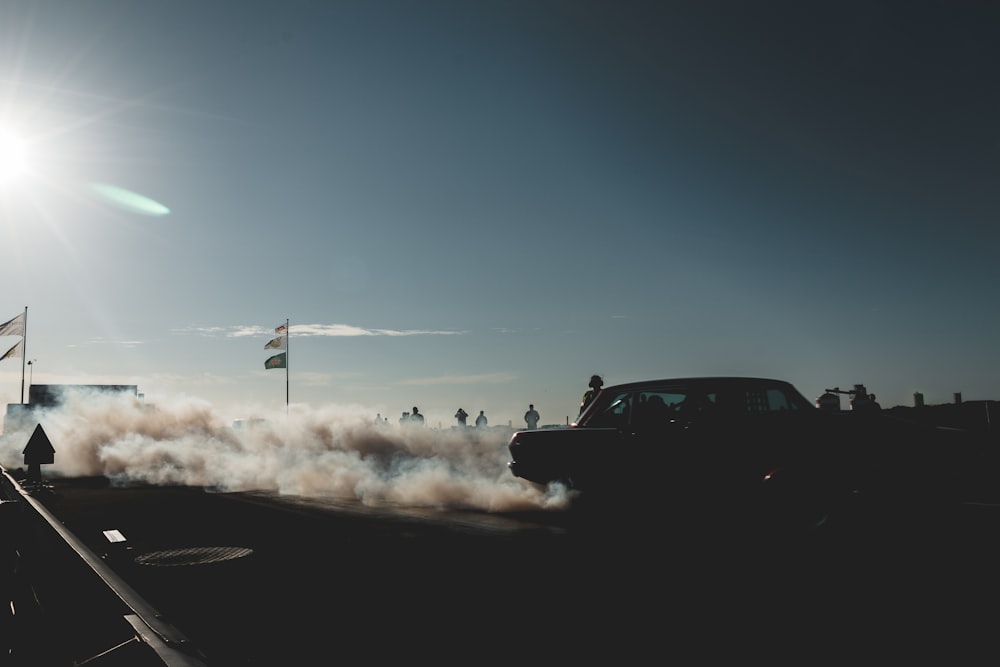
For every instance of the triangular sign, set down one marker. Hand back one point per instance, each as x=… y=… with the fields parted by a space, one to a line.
x=39 y=449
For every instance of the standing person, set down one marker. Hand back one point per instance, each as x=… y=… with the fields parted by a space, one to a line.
x=461 y=415
x=531 y=416
x=416 y=417
x=481 y=420
x=596 y=382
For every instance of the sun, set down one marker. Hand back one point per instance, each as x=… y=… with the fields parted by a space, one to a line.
x=14 y=162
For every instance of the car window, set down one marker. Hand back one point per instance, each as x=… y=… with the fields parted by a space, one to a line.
x=697 y=404
x=659 y=400
x=656 y=408
x=777 y=400
x=612 y=412
x=765 y=400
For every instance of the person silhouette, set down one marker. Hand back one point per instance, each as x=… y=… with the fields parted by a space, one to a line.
x=531 y=416
x=481 y=420
x=416 y=417
x=461 y=416
x=596 y=382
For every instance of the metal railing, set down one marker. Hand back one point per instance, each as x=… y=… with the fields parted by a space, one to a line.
x=148 y=627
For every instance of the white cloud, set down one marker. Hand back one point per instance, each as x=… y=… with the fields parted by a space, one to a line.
x=330 y=330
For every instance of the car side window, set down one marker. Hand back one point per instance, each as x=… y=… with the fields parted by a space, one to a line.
x=776 y=400
x=697 y=406
x=654 y=409
x=760 y=401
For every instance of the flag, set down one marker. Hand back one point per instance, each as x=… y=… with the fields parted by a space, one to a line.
x=279 y=343
x=14 y=327
x=18 y=350
x=277 y=361
x=281 y=328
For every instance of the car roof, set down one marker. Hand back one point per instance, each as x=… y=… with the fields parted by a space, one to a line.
x=713 y=381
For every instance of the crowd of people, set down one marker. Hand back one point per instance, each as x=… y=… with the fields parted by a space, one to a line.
x=415 y=418
x=531 y=416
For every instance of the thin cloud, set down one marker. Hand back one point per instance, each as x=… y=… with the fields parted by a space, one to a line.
x=226 y=332
x=105 y=341
x=329 y=330
x=238 y=332
x=339 y=330
x=416 y=332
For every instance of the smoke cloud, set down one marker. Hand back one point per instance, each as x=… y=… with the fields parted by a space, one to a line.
x=332 y=452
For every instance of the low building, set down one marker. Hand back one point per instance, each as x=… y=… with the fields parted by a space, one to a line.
x=20 y=416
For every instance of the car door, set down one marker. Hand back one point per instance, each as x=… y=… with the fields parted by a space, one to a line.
x=662 y=454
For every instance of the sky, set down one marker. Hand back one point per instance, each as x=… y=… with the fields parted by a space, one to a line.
x=480 y=204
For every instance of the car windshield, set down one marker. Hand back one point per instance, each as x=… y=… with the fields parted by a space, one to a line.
x=612 y=409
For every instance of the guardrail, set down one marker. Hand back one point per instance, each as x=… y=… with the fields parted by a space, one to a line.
x=28 y=632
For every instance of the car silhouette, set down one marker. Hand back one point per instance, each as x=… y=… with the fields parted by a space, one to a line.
x=740 y=450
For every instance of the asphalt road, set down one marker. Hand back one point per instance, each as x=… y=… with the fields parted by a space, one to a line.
x=253 y=579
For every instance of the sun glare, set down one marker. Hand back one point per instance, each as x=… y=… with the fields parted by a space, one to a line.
x=13 y=157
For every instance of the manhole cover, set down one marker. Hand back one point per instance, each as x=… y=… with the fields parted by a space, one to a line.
x=192 y=556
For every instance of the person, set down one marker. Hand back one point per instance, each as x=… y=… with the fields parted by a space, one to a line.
x=531 y=416
x=461 y=415
x=596 y=382
x=416 y=417
x=404 y=419
x=481 y=420
x=861 y=400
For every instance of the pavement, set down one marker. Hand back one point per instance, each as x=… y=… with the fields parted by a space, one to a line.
x=251 y=579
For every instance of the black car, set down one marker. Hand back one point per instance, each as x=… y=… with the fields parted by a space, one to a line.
x=737 y=447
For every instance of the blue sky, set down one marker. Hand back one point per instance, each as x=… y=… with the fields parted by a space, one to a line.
x=480 y=204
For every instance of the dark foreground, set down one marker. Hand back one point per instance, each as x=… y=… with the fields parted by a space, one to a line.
x=253 y=580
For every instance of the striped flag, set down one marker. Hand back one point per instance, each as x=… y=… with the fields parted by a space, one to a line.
x=16 y=351
x=14 y=327
x=281 y=329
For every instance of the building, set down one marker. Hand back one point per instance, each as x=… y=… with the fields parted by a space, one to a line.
x=20 y=416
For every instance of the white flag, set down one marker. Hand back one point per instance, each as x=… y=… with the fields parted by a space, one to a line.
x=16 y=351
x=279 y=343
x=14 y=327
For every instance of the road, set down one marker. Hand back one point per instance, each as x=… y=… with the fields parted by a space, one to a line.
x=256 y=579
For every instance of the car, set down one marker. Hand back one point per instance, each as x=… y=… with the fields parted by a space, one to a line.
x=736 y=449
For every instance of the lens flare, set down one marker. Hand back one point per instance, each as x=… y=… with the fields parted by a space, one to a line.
x=128 y=200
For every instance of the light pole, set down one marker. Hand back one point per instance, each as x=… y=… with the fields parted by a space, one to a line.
x=31 y=374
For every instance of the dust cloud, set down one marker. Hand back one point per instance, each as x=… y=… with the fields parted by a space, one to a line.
x=332 y=452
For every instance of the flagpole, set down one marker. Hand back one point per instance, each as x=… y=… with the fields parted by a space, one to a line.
x=24 y=350
x=288 y=336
